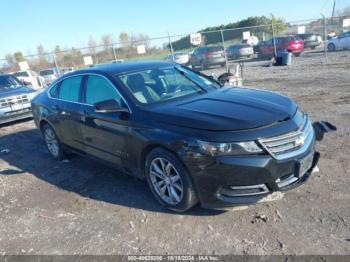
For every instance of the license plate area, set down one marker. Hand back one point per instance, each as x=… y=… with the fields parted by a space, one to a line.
x=305 y=164
x=16 y=107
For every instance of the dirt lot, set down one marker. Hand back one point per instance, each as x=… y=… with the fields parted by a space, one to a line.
x=81 y=207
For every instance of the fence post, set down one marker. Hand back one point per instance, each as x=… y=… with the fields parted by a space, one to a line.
x=223 y=45
x=325 y=35
x=56 y=65
x=114 y=54
x=171 y=48
x=273 y=39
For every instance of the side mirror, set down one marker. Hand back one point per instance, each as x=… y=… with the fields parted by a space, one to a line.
x=109 y=106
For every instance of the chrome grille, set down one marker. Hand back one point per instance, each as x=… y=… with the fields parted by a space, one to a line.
x=290 y=144
x=6 y=102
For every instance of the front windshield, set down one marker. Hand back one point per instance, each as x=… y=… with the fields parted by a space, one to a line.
x=161 y=84
x=8 y=82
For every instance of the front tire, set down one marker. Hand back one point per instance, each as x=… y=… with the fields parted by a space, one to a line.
x=203 y=66
x=52 y=143
x=169 y=181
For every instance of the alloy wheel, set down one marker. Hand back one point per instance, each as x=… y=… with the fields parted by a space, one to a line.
x=166 y=181
x=51 y=141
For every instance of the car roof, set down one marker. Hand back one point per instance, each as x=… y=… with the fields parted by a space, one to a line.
x=119 y=68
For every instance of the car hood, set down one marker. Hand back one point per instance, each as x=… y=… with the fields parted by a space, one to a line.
x=227 y=109
x=16 y=91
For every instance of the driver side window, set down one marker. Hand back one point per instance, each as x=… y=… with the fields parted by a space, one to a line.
x=98 y=89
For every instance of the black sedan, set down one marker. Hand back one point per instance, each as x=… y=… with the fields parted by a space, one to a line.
x=192 y=139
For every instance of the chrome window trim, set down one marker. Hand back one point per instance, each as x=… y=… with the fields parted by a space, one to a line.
x=83 y=74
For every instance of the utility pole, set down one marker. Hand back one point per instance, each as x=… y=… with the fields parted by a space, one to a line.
x=325 y=35
x=333 y=11
x=56 y=65
x=273 y=39
x=223 y=45
x=171 y=48
x=114 y=54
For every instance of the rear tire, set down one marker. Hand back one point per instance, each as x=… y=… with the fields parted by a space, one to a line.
x=331 y=47
x=169 y=180
x=52 y=142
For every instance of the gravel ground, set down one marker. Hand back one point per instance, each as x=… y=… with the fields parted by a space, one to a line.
x=82 y=207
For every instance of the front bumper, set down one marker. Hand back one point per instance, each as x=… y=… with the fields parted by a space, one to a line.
x=8 y=115
x=243 y=180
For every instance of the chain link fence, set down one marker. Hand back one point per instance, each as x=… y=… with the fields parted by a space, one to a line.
x=226 y=46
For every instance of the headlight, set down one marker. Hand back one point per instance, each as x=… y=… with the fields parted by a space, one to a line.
x=239 y=148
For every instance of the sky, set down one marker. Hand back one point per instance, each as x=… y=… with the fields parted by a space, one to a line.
x=24 y=24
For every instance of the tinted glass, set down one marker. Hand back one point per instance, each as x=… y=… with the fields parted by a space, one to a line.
x=70 y=89
x=99 y=89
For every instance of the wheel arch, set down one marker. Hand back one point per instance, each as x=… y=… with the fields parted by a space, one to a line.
x=146 y=150
x=42 y=123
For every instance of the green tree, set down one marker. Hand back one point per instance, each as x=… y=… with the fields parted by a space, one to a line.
x=124 y=39
x=279 y=25
x=18 y=56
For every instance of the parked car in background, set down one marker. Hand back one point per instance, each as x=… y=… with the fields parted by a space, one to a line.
x=311 y=40
x=195 y=141
x=181 y=58
x=239 y=51
x=66 y=70
x=288 y=43
x=115 y=61
x=15 y=99
x=340 y=42
x=50 y=74
x=30 y=77
x=206 y=56
x=256 y=47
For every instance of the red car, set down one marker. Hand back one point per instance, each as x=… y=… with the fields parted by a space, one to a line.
x=290 y=43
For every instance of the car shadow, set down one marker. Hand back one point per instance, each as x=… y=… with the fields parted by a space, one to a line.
x=18 y=121
x=27 y=153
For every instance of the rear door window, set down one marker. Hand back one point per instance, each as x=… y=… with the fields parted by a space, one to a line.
x=70 y=89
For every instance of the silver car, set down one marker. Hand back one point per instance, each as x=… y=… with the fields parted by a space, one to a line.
x=15 y=99
x=239 y=51
x=181 y=58
x=50 y=75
